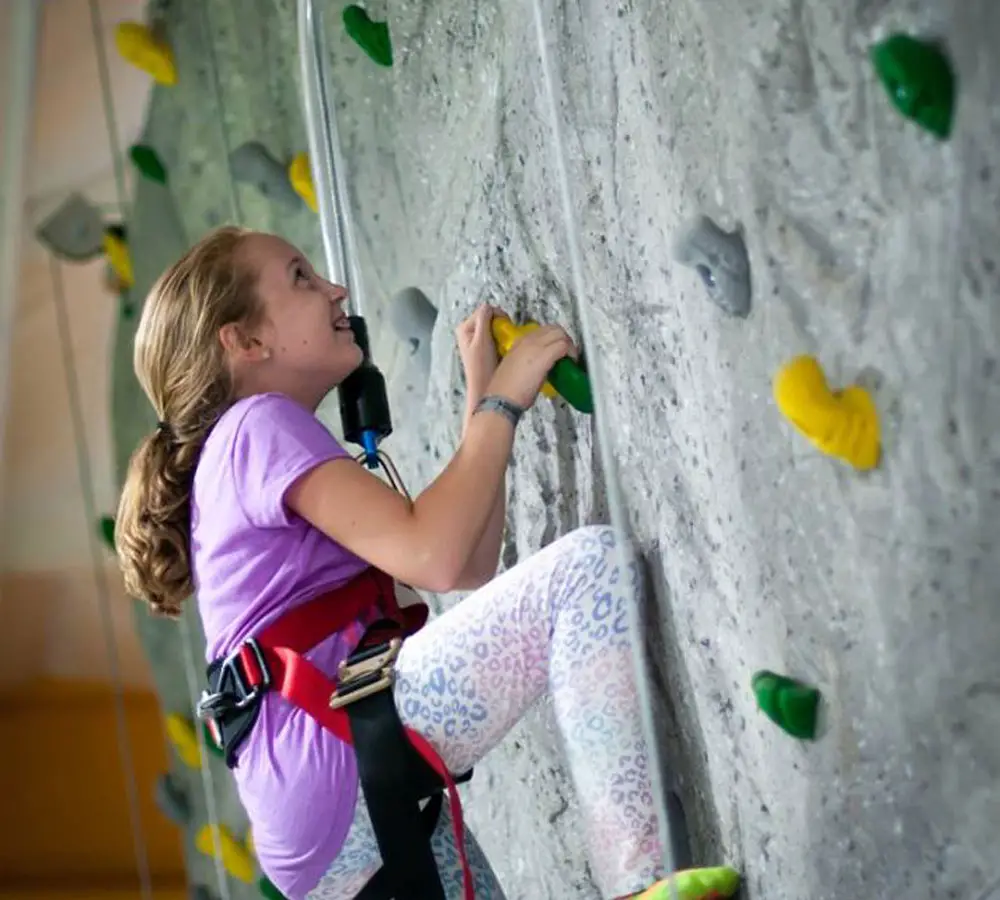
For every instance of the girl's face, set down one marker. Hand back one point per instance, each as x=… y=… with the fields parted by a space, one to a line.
x=305 y=343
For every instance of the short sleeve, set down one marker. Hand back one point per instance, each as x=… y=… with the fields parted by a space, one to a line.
x=276 y=442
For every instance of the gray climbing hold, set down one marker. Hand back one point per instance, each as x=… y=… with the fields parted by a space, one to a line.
x=200 y=892
x=252 y=164
x=721 y=259
x=172 y=800
x=413 y=316
x=75 y=231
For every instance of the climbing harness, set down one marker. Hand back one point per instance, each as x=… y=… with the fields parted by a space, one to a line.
x=397 y=767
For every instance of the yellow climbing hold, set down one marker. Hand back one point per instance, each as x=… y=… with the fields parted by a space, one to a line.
x=506 y=334
x=139 y=46
x=300 y=175
x=181 y=734
x=218 y=841
x=116 y=250
x=249 y=843
x=843 y=424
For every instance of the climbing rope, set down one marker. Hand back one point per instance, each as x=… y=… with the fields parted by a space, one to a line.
x=616 y=502
x=213 y=68
x=107 y=100
x=85 y=475
x=185 y=632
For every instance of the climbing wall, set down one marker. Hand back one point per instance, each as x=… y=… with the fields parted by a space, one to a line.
x=869 y=243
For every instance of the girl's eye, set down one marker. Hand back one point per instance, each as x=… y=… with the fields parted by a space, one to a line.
x=300 y=275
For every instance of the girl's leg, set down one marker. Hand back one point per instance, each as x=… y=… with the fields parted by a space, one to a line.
x=359 y=859
x=556 y=621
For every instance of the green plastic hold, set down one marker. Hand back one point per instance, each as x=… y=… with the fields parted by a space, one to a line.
x=148 y=162
x=269 y=890
x=572 y=383
x=372 y=37
x=210 y=744
x=107 y=525
x=919 y=80
x=790 y=704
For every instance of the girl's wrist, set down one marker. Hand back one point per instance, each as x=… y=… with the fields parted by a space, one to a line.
x=471 y=402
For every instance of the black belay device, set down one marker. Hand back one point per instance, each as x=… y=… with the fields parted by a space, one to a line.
x=364 y=405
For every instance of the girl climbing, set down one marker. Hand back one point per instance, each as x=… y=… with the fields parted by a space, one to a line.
x=242 y=497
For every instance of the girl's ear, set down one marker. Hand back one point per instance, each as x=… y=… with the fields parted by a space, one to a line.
x=239 y=344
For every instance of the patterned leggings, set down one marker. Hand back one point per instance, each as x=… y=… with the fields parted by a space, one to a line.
x=554 y=622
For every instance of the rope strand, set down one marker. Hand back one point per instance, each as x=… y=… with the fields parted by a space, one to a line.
x=213 y=66
x=88 y=493
x=616 y=502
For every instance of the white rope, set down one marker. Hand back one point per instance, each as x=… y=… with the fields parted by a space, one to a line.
x=86 y=477
x=190 y=669
x=213 y=65
x=207 y=779
x=616 y=502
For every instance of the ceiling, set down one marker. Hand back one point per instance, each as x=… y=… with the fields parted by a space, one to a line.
x=50 y=599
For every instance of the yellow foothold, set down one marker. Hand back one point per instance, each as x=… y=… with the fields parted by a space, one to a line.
x=218 y=841
x=843 y=424
x=146 y=51
x=116 y=250
x=506 y=334
x=249 y=843
x=181 y=734
x=300 y=175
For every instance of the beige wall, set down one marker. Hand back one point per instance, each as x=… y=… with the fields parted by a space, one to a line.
x=48 y=597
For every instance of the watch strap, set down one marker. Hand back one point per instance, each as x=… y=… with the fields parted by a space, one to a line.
x=496 y=403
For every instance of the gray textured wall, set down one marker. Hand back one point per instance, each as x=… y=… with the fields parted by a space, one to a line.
x=873 y=247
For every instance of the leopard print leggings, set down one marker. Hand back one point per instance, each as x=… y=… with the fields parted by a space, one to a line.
x=556 y=622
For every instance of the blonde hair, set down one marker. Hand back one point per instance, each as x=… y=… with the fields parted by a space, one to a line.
x=181 y=366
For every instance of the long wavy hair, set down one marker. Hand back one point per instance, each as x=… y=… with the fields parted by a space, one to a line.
x=180 y=363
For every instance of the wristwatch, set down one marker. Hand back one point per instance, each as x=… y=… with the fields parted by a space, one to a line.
x=495 y=403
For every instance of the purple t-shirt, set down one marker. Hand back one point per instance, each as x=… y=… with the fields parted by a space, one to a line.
x=252 y=560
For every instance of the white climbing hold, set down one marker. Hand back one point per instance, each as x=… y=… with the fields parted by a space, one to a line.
x=172 y=800
x=75 y=231
x=252 y=164
x=721 y=259
x=412 y=316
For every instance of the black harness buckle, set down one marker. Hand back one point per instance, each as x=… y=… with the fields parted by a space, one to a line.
x=236 y=684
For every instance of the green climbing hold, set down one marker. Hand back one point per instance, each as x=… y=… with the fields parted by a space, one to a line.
x=919 y=80
x=148 y=162
x=213 y=747
x=108 y=531
x=372 y=37
x=571 y=381
x=269 y=890
x=790 y=704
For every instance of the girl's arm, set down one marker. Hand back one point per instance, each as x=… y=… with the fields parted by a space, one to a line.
x=427 y=543
x=482 y=565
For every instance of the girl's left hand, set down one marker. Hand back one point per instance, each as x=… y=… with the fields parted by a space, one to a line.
x=478 y=350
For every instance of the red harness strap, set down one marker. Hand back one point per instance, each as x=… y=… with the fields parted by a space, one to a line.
x=297 y=680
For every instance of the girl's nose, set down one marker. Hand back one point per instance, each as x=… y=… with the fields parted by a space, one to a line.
x=336 y=292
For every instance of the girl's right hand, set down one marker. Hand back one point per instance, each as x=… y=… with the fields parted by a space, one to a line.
x=523 y=371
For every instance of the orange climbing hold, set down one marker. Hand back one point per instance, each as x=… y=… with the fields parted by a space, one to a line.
x=843 y=424
x=140 y=47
